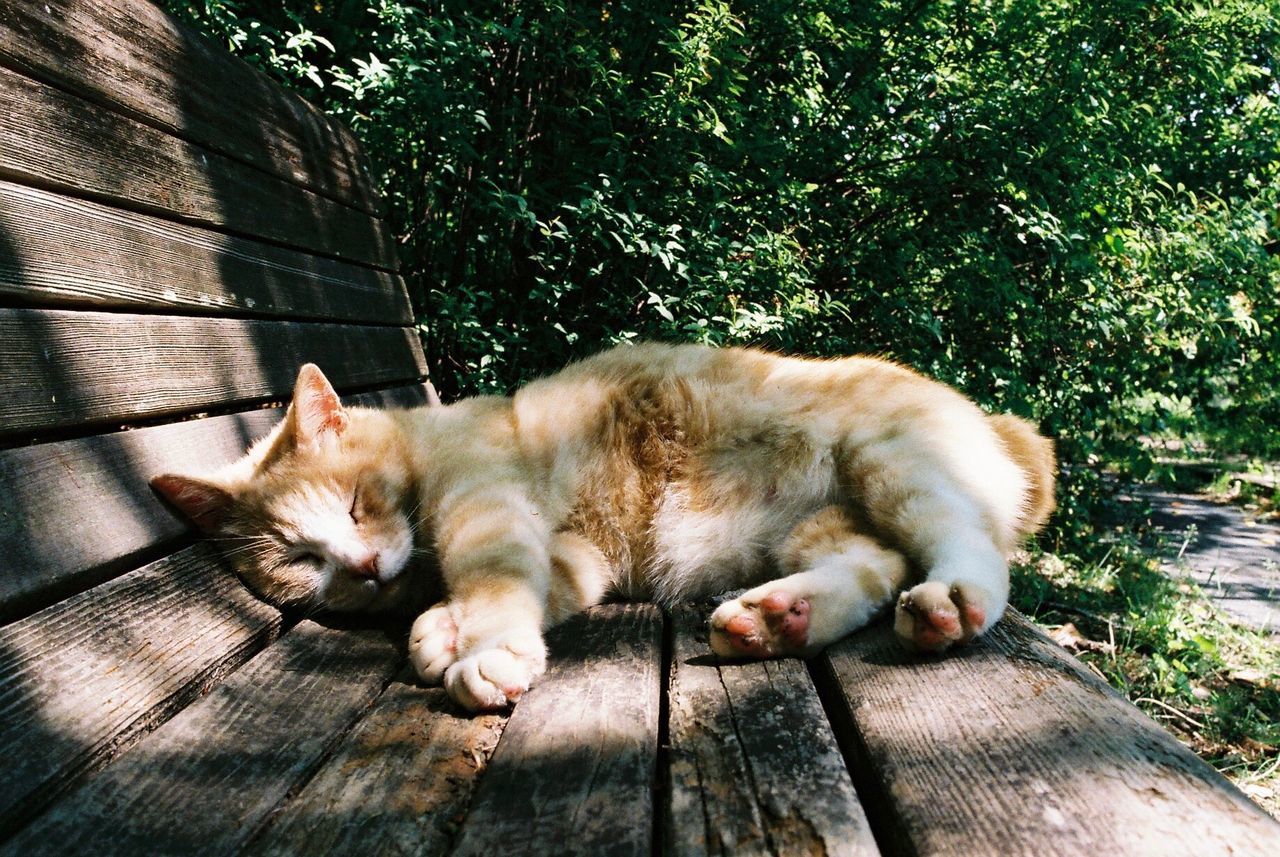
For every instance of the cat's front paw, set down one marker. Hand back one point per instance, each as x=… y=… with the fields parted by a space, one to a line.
x=433 y=644
x=497 y=674
x=932 y=616
x=761 y=625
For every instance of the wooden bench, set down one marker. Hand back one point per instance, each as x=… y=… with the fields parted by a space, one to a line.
x=177 y=235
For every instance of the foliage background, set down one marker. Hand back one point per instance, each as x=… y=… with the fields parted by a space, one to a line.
x=1067 y=209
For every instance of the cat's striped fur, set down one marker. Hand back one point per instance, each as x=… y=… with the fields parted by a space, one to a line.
x=650 y=471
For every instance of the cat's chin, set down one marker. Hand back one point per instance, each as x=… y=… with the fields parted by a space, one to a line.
x=291 y=599
x=370 y=597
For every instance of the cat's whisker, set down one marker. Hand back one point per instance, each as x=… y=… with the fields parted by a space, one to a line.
x=241 y=554
x=310 y=610
x=261 y=540
x=244 y=546
x=412 y=515
x=256 y=549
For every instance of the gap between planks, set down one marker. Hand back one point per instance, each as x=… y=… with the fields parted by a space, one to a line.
x=86 y=678
x=67 y=251
x=65 y=368
x=244 y=406
x=225 y=762
x=1010 y=746
x=754 y=768
x=399 y=782
x=575 y=769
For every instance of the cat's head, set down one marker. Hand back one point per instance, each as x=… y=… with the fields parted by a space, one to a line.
x=320 y=512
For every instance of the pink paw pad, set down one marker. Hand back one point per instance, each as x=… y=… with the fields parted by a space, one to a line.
x=786 y=617
x=745 y=637
x=974 y=616
x=937 y=629
x=933 y=616
x=944 y=622
x=930 y=638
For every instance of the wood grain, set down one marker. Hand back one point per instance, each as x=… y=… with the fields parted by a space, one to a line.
x=202 y=782
x=55 y=250
x=754 y=766
x=86 y=678
x=574 y=771
x=1009 y=746
x=80 y=511
x=399 y=783
x=61 y=368
x=52 y=139
x=133 y=58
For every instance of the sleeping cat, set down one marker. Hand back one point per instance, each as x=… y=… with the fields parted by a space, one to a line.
x=645 y=472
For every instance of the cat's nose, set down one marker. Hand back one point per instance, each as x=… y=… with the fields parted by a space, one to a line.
x=368 y=568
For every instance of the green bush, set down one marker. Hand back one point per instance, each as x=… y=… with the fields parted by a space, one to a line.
x=1066 y=209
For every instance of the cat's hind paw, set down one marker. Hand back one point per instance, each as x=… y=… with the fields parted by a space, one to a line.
x=498 y=674
x=776 y=624
x=433 y=644
x=932 y=616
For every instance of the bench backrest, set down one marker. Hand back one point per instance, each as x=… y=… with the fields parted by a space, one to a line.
x=177 y=236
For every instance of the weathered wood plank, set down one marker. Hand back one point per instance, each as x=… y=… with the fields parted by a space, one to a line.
x=206 y=779
x=1009 y=746
x=399 y=783
x=50 y=138
x=61 y=368
x=79 y=511
x=574 y=771
x=133 y=58
x=84 y=679
x=55 y=250
x=754 y=766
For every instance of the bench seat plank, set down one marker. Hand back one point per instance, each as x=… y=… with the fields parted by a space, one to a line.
x=577 y=762
x=754 y=766
x=57 y=250
x=88 y=676
x=204 y=781
x=132 y=57
x=50 y=138
x=1010 y=746
x=61 y=368
x=81 y=510
x=399 y=783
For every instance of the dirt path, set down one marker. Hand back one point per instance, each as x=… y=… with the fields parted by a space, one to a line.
x=1236 y=559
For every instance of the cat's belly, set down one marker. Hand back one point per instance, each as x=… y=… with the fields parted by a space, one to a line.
x=702 y=551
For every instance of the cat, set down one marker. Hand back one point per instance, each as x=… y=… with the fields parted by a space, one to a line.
x=664 y=472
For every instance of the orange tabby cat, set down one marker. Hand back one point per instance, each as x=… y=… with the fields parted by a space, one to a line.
x=651 y=471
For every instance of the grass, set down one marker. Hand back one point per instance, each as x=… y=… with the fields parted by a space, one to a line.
x=1159 y=640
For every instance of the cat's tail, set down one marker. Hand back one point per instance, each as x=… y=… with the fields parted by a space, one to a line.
x=1034 y=455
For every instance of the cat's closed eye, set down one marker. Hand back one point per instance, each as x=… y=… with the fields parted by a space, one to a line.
x=307 y=559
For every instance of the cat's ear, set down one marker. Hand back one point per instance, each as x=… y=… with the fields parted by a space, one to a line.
x=202 y=501
x=316 y=411
x=433 y=398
